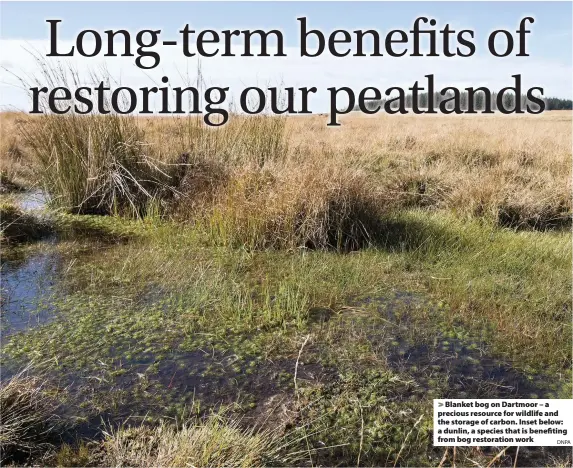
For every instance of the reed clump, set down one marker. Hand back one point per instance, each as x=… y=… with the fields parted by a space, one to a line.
x=94 y=164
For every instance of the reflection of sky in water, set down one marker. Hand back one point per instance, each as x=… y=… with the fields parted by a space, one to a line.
x=32 y=200
x=26 y=284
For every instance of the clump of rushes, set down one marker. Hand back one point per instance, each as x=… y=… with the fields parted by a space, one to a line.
x=91 y=164
x=27 y=421
x=94 y=164
x=215 y=441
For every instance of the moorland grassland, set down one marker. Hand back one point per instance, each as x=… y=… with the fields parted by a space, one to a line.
x=276 y=292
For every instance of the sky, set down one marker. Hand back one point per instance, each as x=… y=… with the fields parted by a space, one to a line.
x=23 y=28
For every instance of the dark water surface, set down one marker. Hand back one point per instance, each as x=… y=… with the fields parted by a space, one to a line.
x=26 y=283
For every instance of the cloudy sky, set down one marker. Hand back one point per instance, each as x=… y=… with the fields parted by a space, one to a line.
x=24 y=30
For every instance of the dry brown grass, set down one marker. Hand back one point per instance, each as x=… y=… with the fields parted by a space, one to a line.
x=27 y=420
x=15 y=168
x=257 y=177
x=513 y=169
x=213 y=442
x=314 y=206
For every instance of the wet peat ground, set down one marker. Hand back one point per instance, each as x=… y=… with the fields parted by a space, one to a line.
x=444 y=362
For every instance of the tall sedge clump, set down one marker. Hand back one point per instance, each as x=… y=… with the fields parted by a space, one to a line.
x=96 y=164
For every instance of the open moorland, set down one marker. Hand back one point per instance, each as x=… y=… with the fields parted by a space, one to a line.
x=276 y=292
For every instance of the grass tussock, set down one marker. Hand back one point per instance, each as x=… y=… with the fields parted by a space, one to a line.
x=545 y=212
x=210 y=443
x=27 y=422
x=311 y=207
